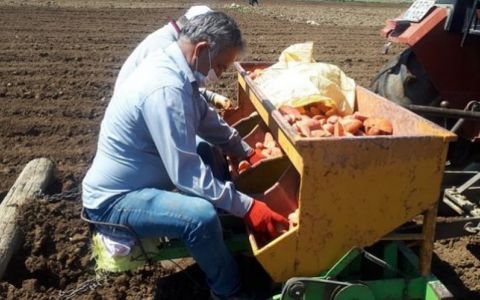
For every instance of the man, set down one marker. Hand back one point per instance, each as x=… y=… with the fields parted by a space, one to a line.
x=161 y=39
x=147 y=147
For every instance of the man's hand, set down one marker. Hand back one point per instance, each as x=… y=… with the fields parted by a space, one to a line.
x=255 y=156
x=222 y=102
x=219 y=101
x=264 y=220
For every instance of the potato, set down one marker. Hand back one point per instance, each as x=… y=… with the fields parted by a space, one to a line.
x=360 y=116
x=269 y=142
x=320 y=133
x=314 y=111
x=289 y=110
x=297 y=129
x=329 y=128
x=259 y=145
x=313 y=124
x=267 y=152
x=385 y=126
x=332 y=119
x=276 y=152
x=374 y=131
x=291 y=118
x=351 y=125
x=293 y=219
x=360 y=133
x=320 y=120
x=257 y=72
x=331 y=112
x=243 y=166
x=338 y=130
x=378 y=126
x=304 y=128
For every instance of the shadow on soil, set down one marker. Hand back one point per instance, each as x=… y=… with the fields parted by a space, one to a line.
x=191 y=284
x=447 y=275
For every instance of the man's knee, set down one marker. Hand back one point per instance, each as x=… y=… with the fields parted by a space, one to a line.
x=207 y=214
x=206 y=224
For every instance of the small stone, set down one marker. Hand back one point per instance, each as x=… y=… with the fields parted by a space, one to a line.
x=122 y=289
x=85 y=261
x=78 y=238
x=121 y=280
x=30 y=285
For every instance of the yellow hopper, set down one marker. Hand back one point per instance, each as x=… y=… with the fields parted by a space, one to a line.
x=350 y=191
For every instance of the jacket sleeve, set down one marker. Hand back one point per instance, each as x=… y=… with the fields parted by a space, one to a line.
x=216 y=131
x=171 y=124
x=207 y=95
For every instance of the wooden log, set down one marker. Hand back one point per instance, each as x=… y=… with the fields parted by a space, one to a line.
x=35 y=177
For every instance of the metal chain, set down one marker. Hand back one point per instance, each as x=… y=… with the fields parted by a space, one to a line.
x=71 y=194
x=88 y=285
x=471 y=228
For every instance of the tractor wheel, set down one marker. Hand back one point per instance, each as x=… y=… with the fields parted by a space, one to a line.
x=403 y=80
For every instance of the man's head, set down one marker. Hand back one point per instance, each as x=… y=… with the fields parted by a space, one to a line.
x=212 y=40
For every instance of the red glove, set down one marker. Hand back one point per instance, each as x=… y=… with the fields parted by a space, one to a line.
x=256 y=156
x=263 y=220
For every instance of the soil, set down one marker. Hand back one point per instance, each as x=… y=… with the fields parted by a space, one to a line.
x=58 y=64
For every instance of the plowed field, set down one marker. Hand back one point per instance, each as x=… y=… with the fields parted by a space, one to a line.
x=58 y=64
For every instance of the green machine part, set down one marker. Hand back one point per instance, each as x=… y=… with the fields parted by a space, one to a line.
x=359 y=275
x=154 y=249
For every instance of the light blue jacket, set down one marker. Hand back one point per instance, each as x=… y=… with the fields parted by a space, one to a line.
x=148 y=137
x=160 y=39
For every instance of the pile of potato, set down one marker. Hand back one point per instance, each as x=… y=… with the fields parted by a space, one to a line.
x=269 y=148
x=309 y=121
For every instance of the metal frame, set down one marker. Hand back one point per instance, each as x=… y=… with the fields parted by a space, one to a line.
x=455 y=198
x=347 y=279
x=124 y=228
x=425 y=239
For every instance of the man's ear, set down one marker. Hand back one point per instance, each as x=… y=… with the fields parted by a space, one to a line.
x=199 y=48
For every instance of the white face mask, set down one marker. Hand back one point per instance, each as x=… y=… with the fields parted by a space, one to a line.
x=211 y=77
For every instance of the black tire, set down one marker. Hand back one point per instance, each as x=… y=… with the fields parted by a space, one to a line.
x=403 y=81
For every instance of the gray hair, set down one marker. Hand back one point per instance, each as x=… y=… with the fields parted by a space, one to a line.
x=216 y=28
x=182 y=21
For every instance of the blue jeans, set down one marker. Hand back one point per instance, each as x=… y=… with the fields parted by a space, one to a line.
x=153 y=212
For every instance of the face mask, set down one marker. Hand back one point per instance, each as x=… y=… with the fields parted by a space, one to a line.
x=211 y=75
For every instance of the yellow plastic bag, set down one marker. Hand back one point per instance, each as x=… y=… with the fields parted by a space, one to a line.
x=297 y=80
x=296 y=53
